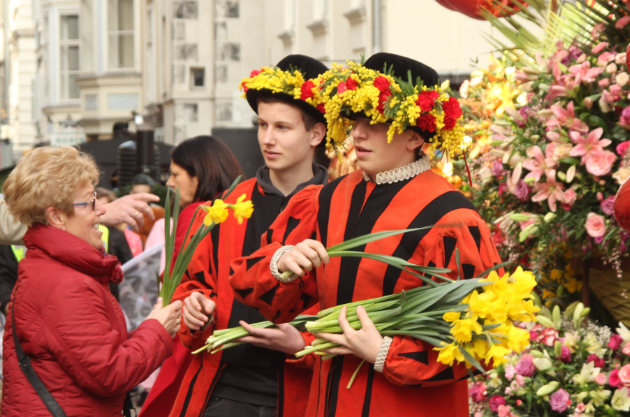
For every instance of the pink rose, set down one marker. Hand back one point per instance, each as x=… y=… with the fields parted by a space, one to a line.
x=600 y=163
x=603 y=83
x=615 y=341
x=504 y=411
x=621 y=23
x=510 y=371
x=519 y=403
x=478 y=392
x=580 y=408
x=597 y=361
x=624 y=375
x=565 y=356
x=599 y=47
x=559 y=400
x=613 y=379
x=520 y=380
x=525 y=367
x=625 y=120
x=569 y=197
x=600 y=379
x=495 y=402
x=622 y=148
x=607 y=205
x=626 y=349
x=595 y=226
x=522 y=190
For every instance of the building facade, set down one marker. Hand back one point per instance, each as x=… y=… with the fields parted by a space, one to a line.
x=74 y=68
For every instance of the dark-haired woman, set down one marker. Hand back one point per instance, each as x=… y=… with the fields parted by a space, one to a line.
x=201 y=168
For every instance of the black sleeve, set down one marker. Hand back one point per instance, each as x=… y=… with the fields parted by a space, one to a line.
x=118 y=246
x=8 y=275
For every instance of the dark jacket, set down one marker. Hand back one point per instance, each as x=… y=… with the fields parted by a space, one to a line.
x=8 y=275
x=74 y=331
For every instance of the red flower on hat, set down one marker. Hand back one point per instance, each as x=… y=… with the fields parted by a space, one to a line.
x=307 y=90
x=351 y=84
x=452 y=112
x=245 y=87
x=341 y=87
x=382 y=84
x=426 y=122
x=254 y=73
x=382 y=98
x=321 y=108
x=426 y=100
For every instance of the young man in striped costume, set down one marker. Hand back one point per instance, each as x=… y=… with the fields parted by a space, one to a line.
x=394 y=189
x=258 y=378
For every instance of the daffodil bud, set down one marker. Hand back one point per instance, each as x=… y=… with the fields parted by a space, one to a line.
x=576 y=314
x=547 y=389
x=519 y=217
x=535 y=137
x=557 y=348
x=562 y=176
x=549 y=217
x=571 y=173
x=530 y=180
x=555 y=315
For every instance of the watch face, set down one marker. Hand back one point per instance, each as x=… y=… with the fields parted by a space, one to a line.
x=622 y=206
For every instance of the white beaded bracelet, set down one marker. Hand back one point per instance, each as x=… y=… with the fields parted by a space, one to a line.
x=274 y=265
x=382 y=354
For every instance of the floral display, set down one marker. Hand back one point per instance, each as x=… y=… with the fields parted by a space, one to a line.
x=573 y=367
x=385 y=98
x=553 y=144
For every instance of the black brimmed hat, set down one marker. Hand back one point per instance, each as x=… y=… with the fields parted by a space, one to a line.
x=295 y=80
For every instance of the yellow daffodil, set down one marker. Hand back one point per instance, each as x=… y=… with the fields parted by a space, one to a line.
x=242 y=209
x=451 y=316
x=217 y=213
x=449 y=354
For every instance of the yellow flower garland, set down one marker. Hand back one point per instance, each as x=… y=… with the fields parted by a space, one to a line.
x=352 y=89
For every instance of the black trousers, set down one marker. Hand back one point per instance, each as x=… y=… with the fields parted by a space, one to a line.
x=221 y=407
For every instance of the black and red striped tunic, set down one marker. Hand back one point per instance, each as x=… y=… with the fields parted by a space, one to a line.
x=412 y=383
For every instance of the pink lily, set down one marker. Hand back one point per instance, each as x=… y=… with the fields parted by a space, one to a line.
x=586 y=146
x=566 y=118
x=614 y=94
x=552 y=191
x=538 y=164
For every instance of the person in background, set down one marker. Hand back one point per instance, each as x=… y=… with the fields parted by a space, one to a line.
x=201 y=168
x=142 y=183
x=259 y=377
x=61 y=311
x=10 y=256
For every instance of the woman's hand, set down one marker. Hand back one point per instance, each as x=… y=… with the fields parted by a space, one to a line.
x=169 y=316
x=304 y=256
x=198 y=311
x=364 y=343
x=285 y=338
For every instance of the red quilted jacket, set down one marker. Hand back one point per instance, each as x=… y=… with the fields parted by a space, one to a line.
x=74 y=331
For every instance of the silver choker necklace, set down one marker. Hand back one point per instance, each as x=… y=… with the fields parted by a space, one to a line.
x=402 y=173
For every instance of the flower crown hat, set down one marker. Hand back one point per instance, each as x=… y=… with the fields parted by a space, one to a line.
x=294 y=80
x=394 y=89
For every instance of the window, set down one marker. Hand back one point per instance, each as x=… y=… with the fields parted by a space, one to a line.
x=197 y=77
x=120 y=16
x=69 y=57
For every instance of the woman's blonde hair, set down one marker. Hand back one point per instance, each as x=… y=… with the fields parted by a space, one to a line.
x=47 y=177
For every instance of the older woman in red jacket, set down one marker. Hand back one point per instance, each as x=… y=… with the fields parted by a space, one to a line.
x=66 y=320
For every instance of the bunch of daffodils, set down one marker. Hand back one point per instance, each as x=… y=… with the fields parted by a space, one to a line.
x=215 y=214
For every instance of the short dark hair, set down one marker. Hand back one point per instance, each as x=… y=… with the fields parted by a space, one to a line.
x=211 y=161
x=309 y=121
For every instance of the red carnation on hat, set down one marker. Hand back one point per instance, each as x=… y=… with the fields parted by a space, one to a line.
x=341 y=87
x=382 y=98
x=254 y=73
x=426 y=122
x=245 y=87
x=452 y=112
x=307 y=90
x=426 y=100
x=351 y=84
x=321 y=108
x=382 y=84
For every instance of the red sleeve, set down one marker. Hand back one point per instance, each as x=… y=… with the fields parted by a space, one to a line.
x=411 y=361
x=201 y=265
x=251 y=279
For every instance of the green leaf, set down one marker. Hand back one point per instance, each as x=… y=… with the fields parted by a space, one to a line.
x=365 y=239
x=598 y=121
x=570 y=161
x=471 y=360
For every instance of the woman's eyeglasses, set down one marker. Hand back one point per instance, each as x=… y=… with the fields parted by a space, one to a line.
x=91 y=203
